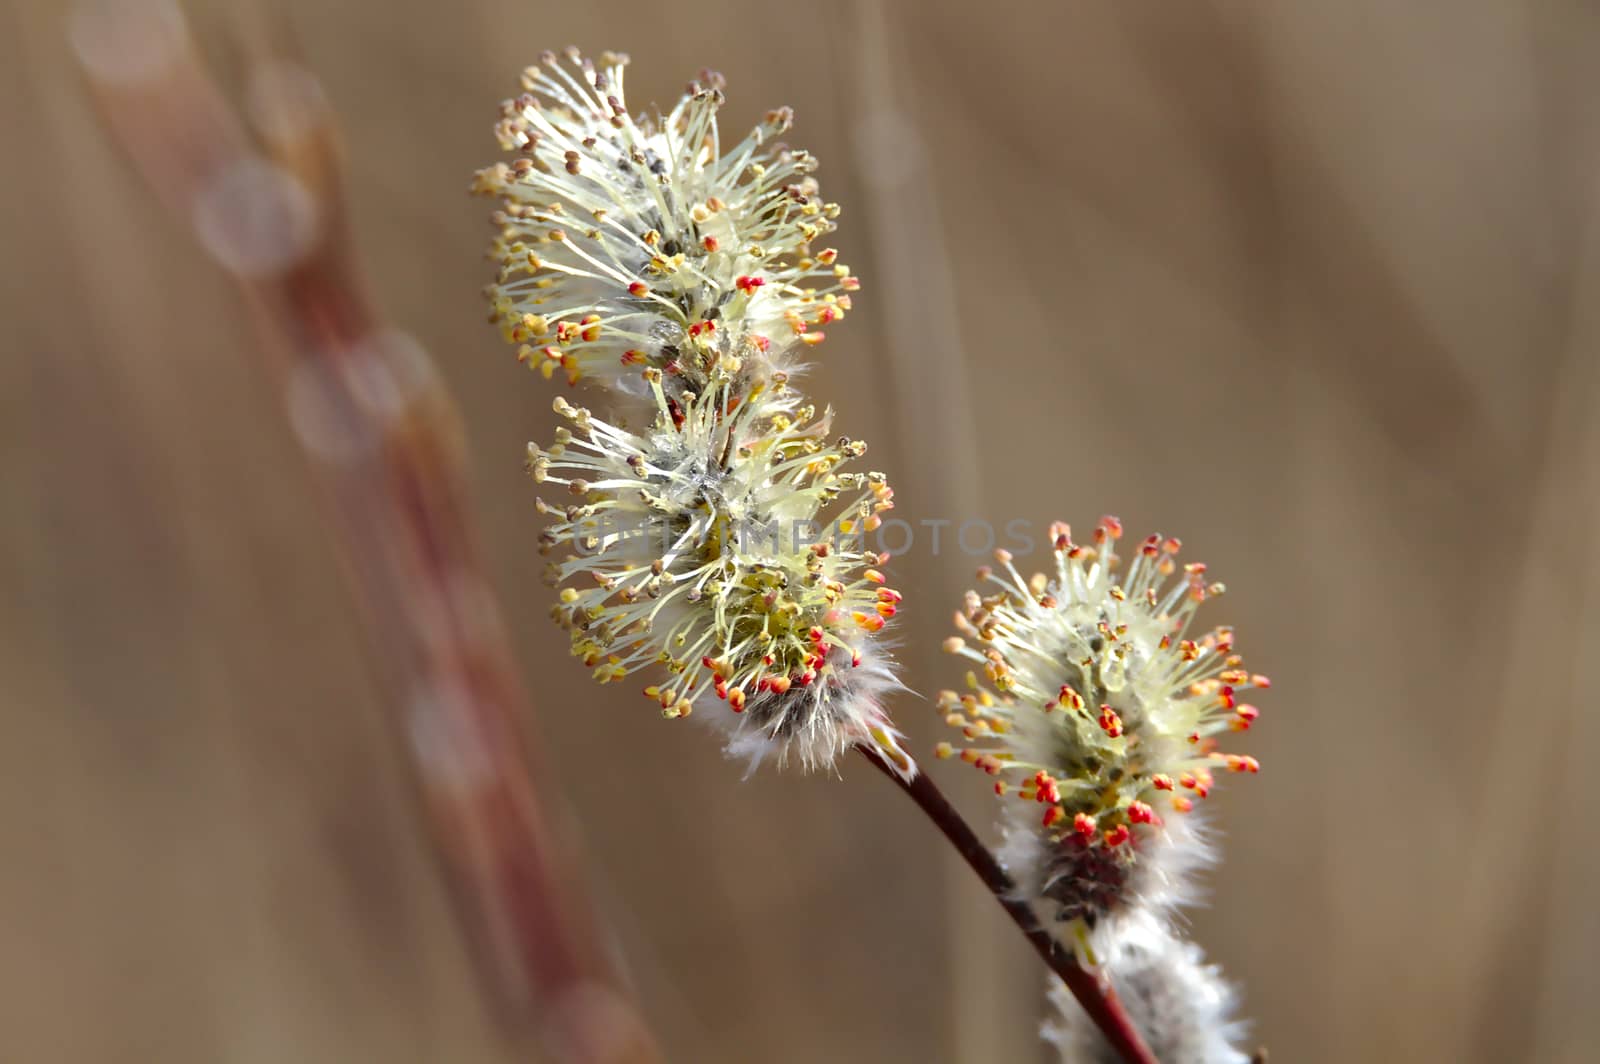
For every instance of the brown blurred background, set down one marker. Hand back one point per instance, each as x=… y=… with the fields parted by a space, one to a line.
x=1310 y=285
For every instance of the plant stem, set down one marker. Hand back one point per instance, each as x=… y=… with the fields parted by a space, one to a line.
x=1096 y=996
x=384 y=442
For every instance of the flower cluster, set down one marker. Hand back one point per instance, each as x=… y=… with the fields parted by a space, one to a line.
x=627 y=243
x=1096 y=709
x=720 y=545
x=1179 y=1004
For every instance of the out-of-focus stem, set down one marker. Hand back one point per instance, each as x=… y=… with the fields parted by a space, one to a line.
x=1094 y=993
x=384 y=441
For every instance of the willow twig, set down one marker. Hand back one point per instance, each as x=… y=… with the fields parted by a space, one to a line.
x=384 y=442
x=1093 y=992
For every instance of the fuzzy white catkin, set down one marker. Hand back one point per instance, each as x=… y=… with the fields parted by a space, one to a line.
x=1180 y=1005
x=1095 y=705
x=705 y=531
x=631 y=241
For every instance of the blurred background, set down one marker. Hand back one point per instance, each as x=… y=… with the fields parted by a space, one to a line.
x=1311 y=286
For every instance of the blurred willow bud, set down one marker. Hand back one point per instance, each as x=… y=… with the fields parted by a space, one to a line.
x=1096 y=711
x=1180 y=1005
x=627 y=242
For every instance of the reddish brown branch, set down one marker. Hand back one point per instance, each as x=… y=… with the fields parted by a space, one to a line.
x=383 y=439
x=1096 y=996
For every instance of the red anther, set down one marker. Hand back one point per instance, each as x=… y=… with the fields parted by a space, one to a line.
x=748 y=284
x=1260 y=681
x=855 y=659
x=850 y=284
x=816 y=634
x=886 y=609
x=1084 y=825
x=1181 y=804
x=1151 y=546
x=1000 y=787
x=779 y=684
x=633 y=357
x=889 y=594
x=1117 y=835
x=1109 y=528
x=826 y=315
x=1236 y=763
x=1225 y=696
x=1054 y=815
x=1161 y=782
x=1246 y=711
x=827 y=256
x=1172 y=545
x=638 y=289
x=762 y=342
x=736 y=699
x=1140 y=813
x=709 y=243
x=1110 y=723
